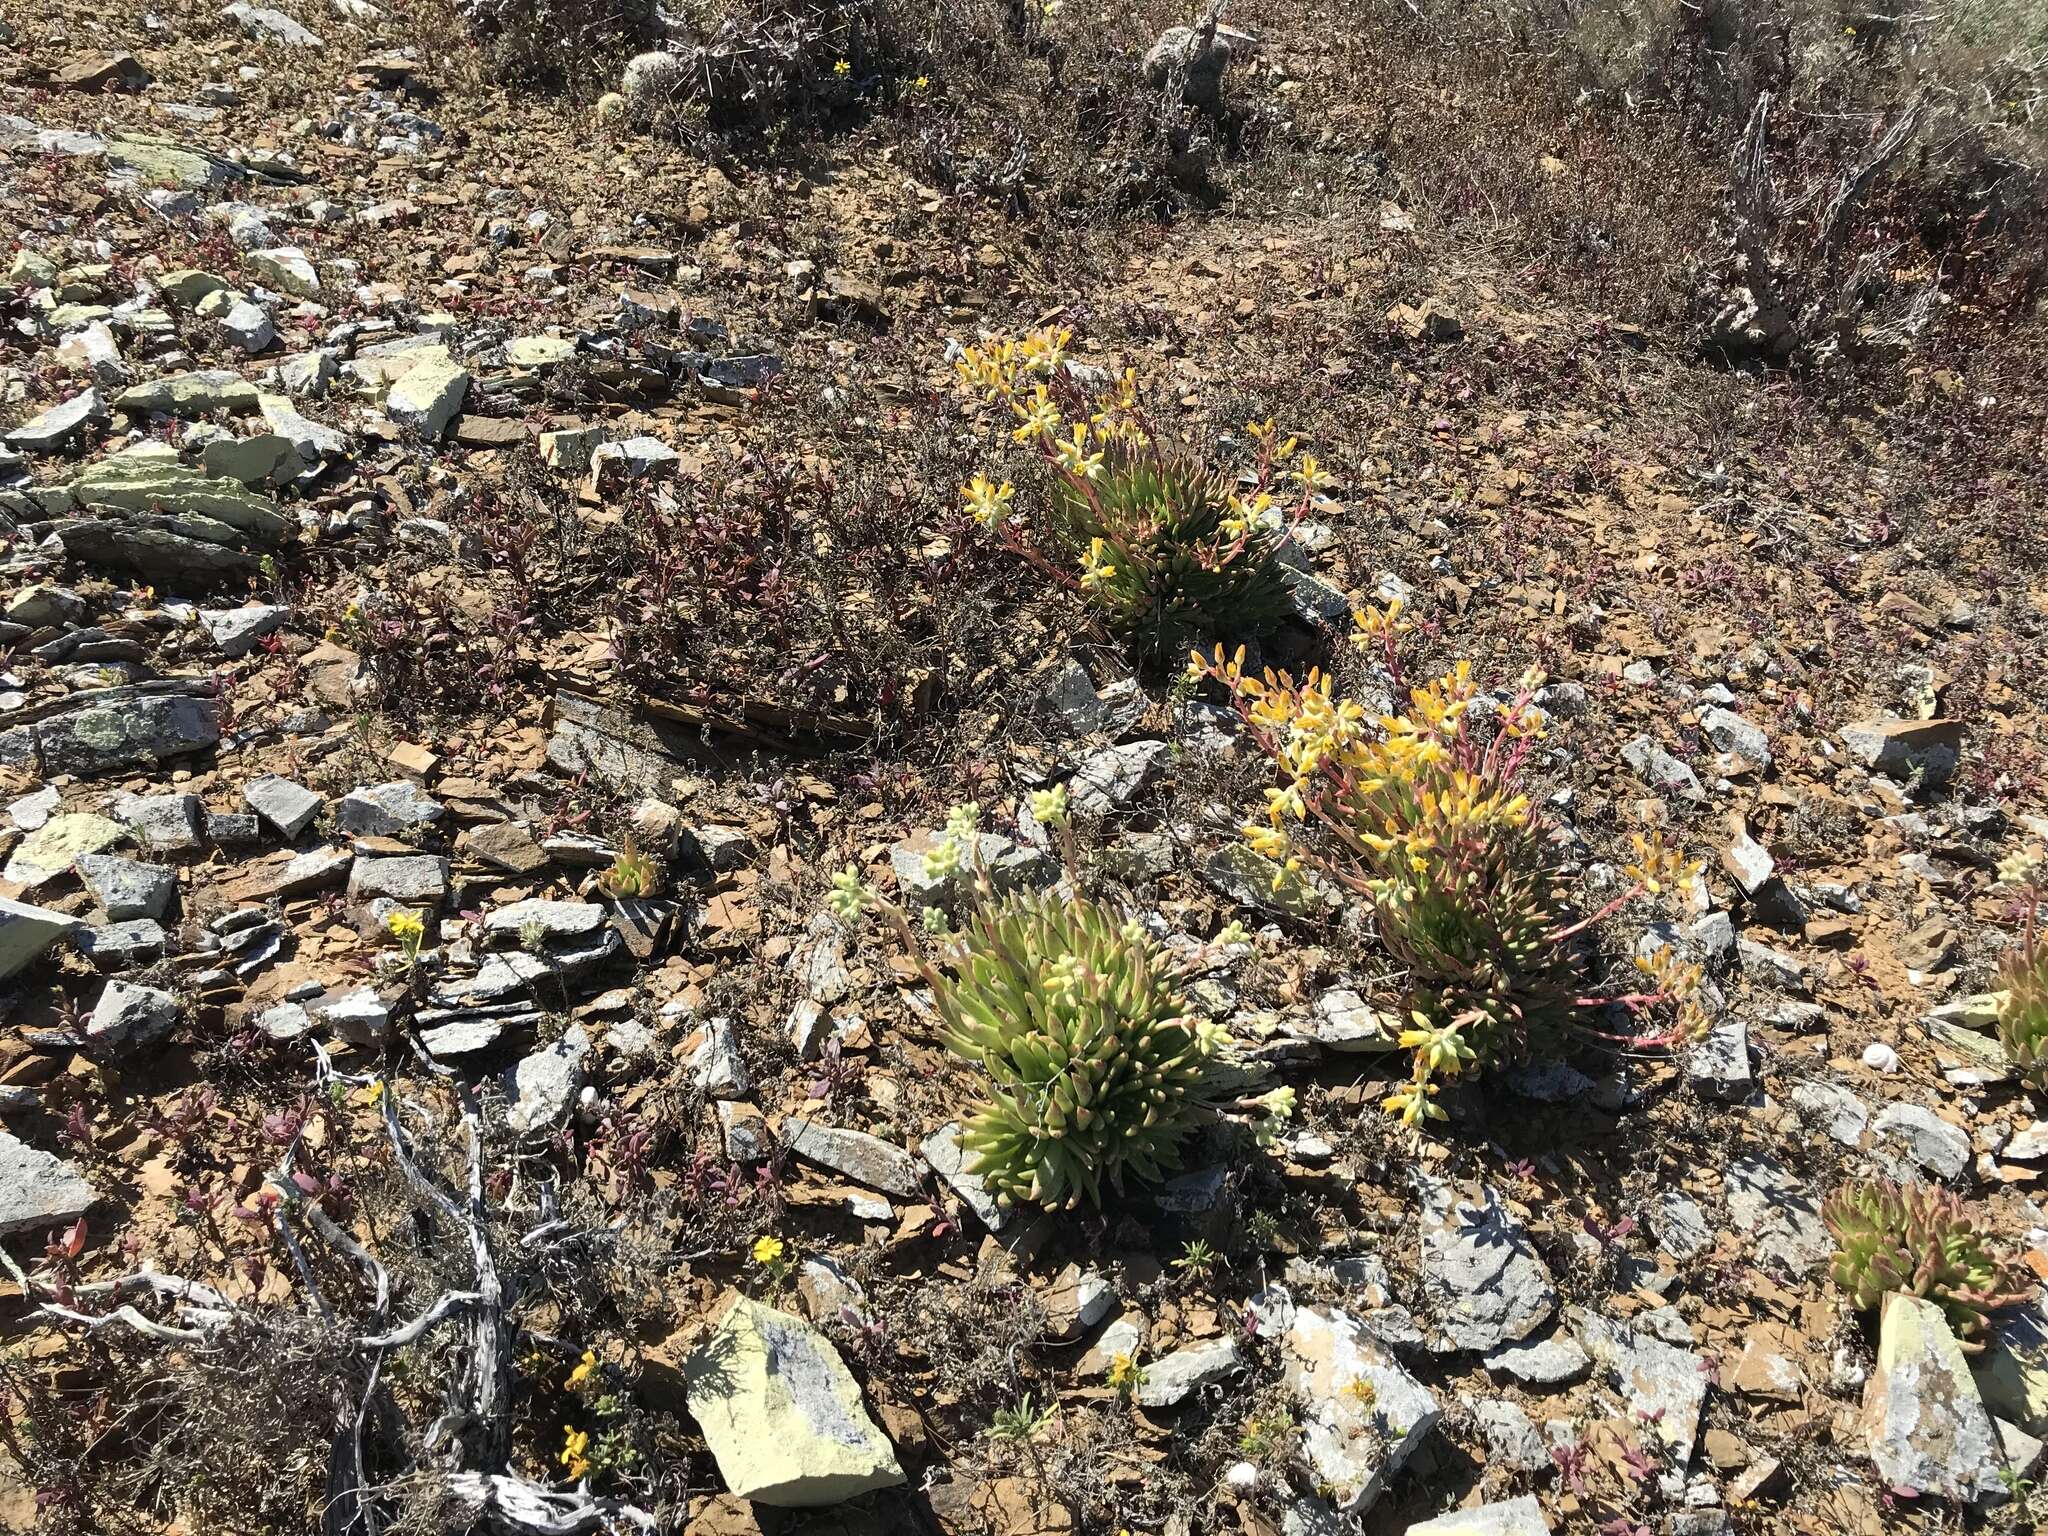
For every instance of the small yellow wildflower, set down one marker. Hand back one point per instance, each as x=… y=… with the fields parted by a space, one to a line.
x=1074 y=456
x=1310 y=475
x=921 y=82
x=1096 y=569
x=1125 y=1376
x=406 y=926
x=987 y=501
x=1039 y=417
x=583 y=1370
x=575 y=1445
x=842 y=68
x=767 y=1250
x=1049 y=806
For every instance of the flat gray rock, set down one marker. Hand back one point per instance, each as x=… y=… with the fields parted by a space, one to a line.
x=1354 y=1440
x=125 y=888
x=542 y=1089
x=1831 y=1109
x=60 y=424
x=168 y=823
x=1665 y=1386
x=38 y=1192
x=1916 y=1139
x=406 y=877
x=1111 y=779
x=236 y=630
x=863 y=1158
x=1508 y=1517
x=387 y=810
x=1483 y=1283
x=1718 y=1066
x=123 y=946
x=128 y=1015
x=1555 y=1361
x=26 y=932
x=288 y=806
x=716 y=1065
x=1778 y=1213
x=1680 y=1226
x=1175 y=1377
x=554 y=920
x=1929 y=1430
x=313 y=870
x=942 y=1150
x=1512 y=1439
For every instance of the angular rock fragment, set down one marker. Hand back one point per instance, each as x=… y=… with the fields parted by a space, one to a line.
x=863 y=1158
x=1665 y=1386
x=387 y=810
x=26 y=932
x=287 y=806
x=38 y=1192
x=127 y=1015
x=47 y=853
x=1509 y=1517
x=126 y=888
x=405 y=877
x=1483 y=1282
x=1175 y=1377
x=1363 y=1416
x=1928 y=1427
x=781 y=1413
x=942 y=1150
x=114 y=728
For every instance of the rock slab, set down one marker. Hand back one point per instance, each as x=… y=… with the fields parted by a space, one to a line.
x=38 y=1190
x=781 y=1413
x=1928 y=1427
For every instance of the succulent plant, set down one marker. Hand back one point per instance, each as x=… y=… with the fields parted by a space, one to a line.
x=1919 y=1239
x=1096 y=1071
x=1165 y=550
x=634 y=874
x=2023 y=1009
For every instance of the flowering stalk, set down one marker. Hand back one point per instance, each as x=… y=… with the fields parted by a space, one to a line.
x=1427 y=820
x=1164 y=546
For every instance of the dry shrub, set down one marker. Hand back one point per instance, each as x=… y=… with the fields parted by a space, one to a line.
x=1550 y=132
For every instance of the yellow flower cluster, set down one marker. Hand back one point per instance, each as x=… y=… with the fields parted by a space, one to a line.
x=1392 y=789
x=1422 y=812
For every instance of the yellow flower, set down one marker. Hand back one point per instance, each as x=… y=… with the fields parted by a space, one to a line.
x=584 y=1367
x=406 y=926
x=921 y=82
x=575 y=1443
x=1074 y=456
x=1124 y=1374
x=1096 y=569
x=1310 y=474
x=1039 y=418
x=767 y=1250
x=842 y=67
x=986 y=501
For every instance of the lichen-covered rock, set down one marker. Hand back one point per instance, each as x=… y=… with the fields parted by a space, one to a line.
x=1363 y=1415
x=781 y=1413
x=1929 y=1430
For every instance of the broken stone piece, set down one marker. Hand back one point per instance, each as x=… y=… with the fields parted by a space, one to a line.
x=781 y=1413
